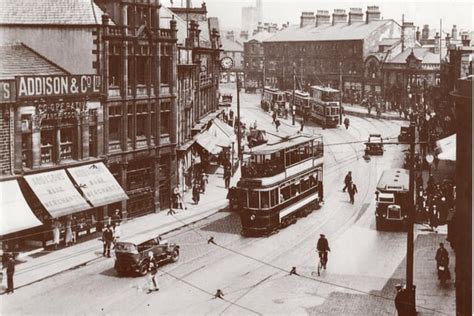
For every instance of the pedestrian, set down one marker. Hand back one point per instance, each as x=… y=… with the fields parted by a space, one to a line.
x=56 y=233
x=442 y=256
x=10 y=272
x=352 y=190
x=277 y=124
x=117 y=233
x=346 y=122
x=117 y=217
x=196 y=193
x=302 y=125
x=68 y=237
x=255 y=124
x=401 y=301
x=274 y=116
x=347 y=181
x=152 y=271
x=107 y=239
x=227 y=177
x=204 y=181
x=436 y=161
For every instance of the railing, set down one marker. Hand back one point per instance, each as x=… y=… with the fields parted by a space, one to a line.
x=121 y=31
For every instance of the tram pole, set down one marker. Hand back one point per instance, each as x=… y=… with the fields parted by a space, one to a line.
x=239 y=132
x=294 y=87
x=340 y=93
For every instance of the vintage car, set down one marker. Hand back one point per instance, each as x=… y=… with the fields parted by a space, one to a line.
x=226 y=100
x=132 y=256
x=404 y=136
x=374 y=146
x=418 y=161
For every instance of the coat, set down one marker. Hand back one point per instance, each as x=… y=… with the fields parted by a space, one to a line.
x=153 y=266
x=107 y=235
x=323 y=244
x=352 y=189
x=11 y=265
x=348 y=179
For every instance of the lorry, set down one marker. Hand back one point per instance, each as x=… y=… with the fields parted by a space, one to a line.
x=392 y=199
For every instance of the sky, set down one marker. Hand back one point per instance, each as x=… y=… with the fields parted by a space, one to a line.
x=459 y=12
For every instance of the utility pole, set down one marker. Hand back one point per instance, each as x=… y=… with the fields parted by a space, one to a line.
x=340 y=93
x=294 y=87
x=239 y=132
x=263 y=81
x=410 y=288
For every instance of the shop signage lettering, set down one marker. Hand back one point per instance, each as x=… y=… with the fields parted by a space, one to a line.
x=7 y=91
x=61 y=109
x=47 y=86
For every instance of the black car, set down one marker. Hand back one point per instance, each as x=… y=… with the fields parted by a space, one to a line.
x=133 y=257
x=404 y=136
x=375 y=145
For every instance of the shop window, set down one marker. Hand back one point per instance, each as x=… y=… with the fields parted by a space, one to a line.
x=26 y=141
x=47 y=146
x=67 y=143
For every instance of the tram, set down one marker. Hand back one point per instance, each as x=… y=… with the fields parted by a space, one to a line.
x=280 y=181
x=301 y=102
x=325 y=107
x=272 y=97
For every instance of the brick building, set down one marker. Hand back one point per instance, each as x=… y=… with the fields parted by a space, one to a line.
x=320 y=50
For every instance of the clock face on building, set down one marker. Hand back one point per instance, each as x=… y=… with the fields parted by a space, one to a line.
x=227 y=63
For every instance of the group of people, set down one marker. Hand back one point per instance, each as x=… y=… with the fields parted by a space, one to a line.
x=435 y=201
x=69 y=233
x=112 y=233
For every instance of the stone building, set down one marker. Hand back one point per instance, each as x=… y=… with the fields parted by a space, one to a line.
x=235 y=50
x=254 y=57
x=321 y=50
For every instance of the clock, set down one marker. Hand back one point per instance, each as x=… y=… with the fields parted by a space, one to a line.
x=227 y=63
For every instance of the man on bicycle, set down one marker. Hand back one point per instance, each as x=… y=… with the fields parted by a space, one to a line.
x=323 y=248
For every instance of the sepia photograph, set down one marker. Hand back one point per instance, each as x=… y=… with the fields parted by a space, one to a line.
x=236 y=157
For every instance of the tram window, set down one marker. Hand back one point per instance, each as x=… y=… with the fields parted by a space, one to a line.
x=305 y=185
x=253 y=199
x=288 y=158
x=273 y=197
x=265 y=199
x=244 y=198
x=295 y=189
x=285 y=192
x=312 y=180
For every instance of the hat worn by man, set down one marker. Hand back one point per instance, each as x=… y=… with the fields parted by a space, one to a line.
x=398 y=286
x=322 y=235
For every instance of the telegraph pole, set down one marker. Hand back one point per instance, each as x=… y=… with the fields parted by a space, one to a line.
x=294 y=87
x=340 y=93
x=239 y=132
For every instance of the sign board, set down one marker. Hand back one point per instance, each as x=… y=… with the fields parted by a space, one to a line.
x=7 y=91
x=57 y=86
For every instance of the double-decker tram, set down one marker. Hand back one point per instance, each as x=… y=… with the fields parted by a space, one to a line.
x=280 y=181
x=301 y=103
x=272 y=97
x=325 y=107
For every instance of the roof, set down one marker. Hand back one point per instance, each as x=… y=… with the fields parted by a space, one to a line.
x=421 y=53
x=393 y=177
x=20 y=60
x=165 y=17
x=328 y=32
x=389 y=41
x=280 y=144
x=231 y=46
x=260 y=36
x=324 y=89
x=50 y=12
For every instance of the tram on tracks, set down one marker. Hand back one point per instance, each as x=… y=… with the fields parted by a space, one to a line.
x=280 y=181
x=272 y=97
x=301 y=102
x=325 y=106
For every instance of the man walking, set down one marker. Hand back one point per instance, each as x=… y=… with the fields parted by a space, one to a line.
x=401 y=301
x=107 y=239
x=347 y=181
x=227 y=177
x=352 y=190
x=152 y=270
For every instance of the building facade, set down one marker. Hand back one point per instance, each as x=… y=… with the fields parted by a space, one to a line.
x=321 y=50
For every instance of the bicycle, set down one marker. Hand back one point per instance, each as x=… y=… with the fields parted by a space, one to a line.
x=323 y=260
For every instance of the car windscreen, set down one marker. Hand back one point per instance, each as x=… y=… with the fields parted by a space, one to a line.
x=125 y=247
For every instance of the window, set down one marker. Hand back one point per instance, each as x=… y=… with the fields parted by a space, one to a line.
x=274 y=197
x=254 y=199
x=285 y=193
x=142 y=116
x=165 y=66
x=265 y=199
x=115 y=65
x=115 y=117
x=165 y=117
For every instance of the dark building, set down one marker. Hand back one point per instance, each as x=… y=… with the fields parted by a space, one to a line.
x=320 y=50
x=139 y=55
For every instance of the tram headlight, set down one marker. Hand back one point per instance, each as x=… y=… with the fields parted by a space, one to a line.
x=252 y=217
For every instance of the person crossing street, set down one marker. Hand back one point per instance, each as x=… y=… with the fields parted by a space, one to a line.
x=107 y=239
x=352 y=190
x=347 y=181
x=152 y=271
x=322 y=248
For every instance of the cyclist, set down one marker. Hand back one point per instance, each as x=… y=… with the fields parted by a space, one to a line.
x=323 y=248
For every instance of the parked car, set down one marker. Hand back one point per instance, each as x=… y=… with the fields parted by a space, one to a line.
x=132 y=256
x=404 y=136
x=226 y=100
x=375 y=145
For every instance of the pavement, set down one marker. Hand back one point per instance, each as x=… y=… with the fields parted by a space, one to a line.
x=361 y=111
x=41 y=265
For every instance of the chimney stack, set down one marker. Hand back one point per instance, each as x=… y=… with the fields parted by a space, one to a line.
x=372 y=13
x=339 y=16
x=307 y=18
x=230 y=36
x=272 y=28
x=244 y=35
x=465 y=39
x=355 y=15
x=322 y=17
x=437 y=39
x=454 y=33
x=448 y=40
x=259 y=27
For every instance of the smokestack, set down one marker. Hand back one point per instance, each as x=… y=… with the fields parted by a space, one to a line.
x=465 y=39
x=417 y=34
x=436 y=43
x=448 y=40
x=425 y=33
x=339 y=16
x=307 y=18
x=322 y=17
x=372 y=13
x=355 y=15
x=454 y=33
x=244 y=35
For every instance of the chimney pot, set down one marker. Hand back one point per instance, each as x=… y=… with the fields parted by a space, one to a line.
x=372 y=14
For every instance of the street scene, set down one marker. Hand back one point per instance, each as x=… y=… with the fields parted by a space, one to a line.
x=165 y=157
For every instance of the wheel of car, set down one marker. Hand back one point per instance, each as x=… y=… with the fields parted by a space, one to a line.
x=174 y=255
x=143 y=269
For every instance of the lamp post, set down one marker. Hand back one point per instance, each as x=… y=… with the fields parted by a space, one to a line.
x=294 y=87
x=340 y=93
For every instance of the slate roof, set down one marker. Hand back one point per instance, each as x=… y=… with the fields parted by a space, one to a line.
x=20 y=60
x=422 y=53
x=261 y=36
x=327 y=32
x=389 y=41
x=231 y=46
x=165 y=17
x=50 y=12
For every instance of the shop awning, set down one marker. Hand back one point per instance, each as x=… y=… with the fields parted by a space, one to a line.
x=15 y=214
x=98 y=184
x=57 y=193
x=446 y=148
